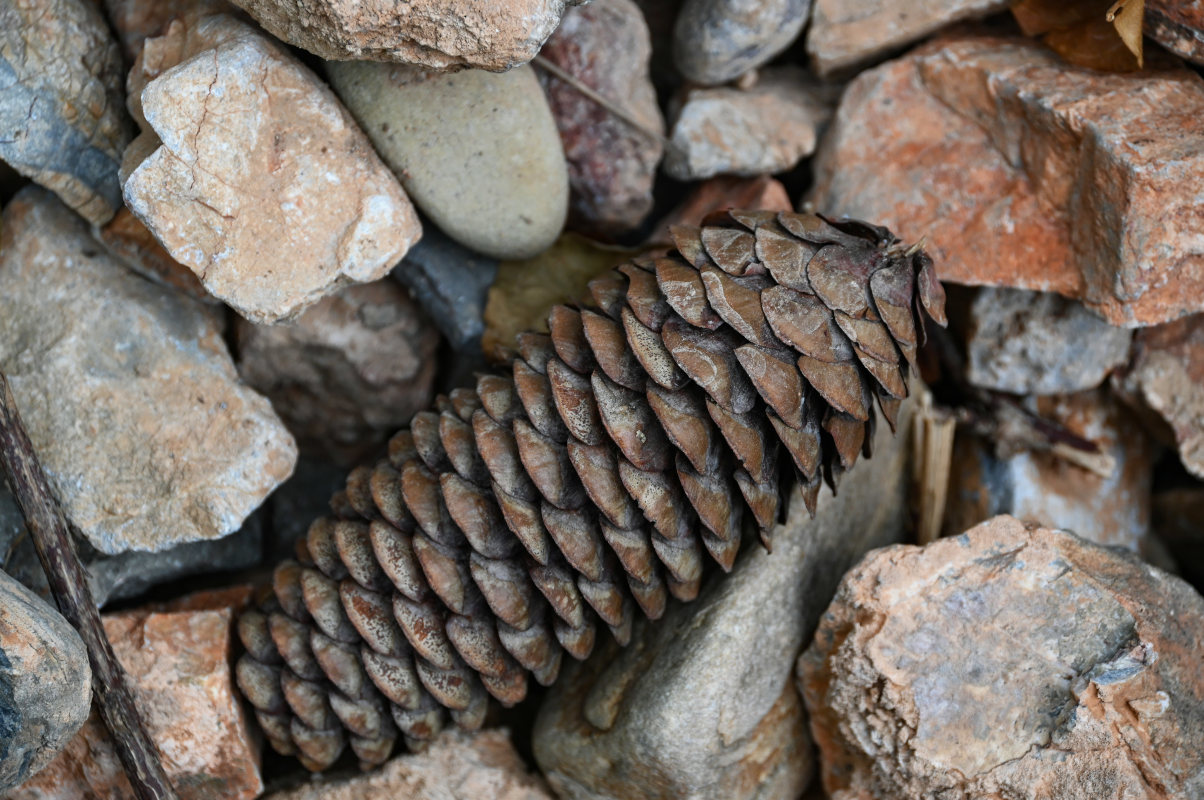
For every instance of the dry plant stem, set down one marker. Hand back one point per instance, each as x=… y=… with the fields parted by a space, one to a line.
x=56 y=550
x=556 y=71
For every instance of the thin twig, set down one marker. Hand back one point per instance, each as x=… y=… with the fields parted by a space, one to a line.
x=56 y=551
x=557 y=71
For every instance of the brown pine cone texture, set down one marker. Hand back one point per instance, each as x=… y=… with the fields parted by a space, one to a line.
x=590 y=480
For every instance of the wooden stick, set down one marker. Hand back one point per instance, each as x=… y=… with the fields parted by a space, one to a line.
x=56 y=551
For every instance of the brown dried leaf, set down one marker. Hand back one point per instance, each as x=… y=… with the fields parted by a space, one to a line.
x=1086 y=32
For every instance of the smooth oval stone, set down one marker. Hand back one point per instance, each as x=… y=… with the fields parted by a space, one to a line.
x=715 y=41
x=478 y=152
x=45 y=683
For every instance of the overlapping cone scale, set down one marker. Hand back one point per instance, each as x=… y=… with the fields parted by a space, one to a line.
x=591 y=480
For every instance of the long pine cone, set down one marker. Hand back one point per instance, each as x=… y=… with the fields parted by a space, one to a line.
x=591 y=479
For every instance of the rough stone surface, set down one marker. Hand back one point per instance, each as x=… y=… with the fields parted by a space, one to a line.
x=129 y=240
x=456 y=766
x=61 y=117
x=1039 y=343
x=478 y=152
x=348 y=372
x=1168 y=374
x=451 y=283
x=766 y=128
x=989 y=479
x=928 y=678
x=300 y=208
x=606 y=45
x=128 y=392
x=45 y=683
x=178 y=665
x=298 y=502
x=1177 y=25
x=848 y=33
x=700 y=704
x=135 y=21
x=1026 y=172
x=717 y=194
x=433 y=33
x=715 y=41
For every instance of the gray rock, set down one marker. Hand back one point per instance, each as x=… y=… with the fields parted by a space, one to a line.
x=451 y=283
x=45 y=683
x=1040 y=343
x=763 y=129
x=62 y=117
x=715 y=41
x=131 y=399
x=701 y=704
x=298 y=502
x=478 y=152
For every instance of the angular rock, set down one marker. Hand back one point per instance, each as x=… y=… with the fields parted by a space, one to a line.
x=45 y=683
x=348 y=372
x=300 y=208
x=1039 y=343
x=1082 y=182
x=717 y=194
x=451 y=283
x=127 y=389
x=129 y=240
x=715 y=41
x=433 y=33
x=61 y=117
x=456 y=766
x=1177 y=26
x=612 y=165
x=478 y=152
x=135 y=21
x=848 y=33
x=178 y=666
x=988 y=479
x=928 y=678
x=700 y=704
x=1168 y=374
x=766 y=128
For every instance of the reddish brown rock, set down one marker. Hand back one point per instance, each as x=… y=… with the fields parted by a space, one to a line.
x=717 y=194
x=178 y=664
x=137 y=20
x=1177 y=25
x=606 y=45
x=1167 y=372
x=456 y=766
x=928 y=677
x=1023 y=171
x=348 y=372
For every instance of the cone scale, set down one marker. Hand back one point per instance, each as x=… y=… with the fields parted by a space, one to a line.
x=591 y=480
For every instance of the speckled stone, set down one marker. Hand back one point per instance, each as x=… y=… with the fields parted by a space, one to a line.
x=715 y=41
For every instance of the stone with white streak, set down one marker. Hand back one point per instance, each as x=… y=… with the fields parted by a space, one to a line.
x=300 y=207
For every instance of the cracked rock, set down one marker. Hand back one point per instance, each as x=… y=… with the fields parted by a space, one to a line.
x=300 y=208
x=62 y=123
x=129 y=394
x=929 y=678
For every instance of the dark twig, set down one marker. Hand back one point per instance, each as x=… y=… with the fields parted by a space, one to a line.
x=56 y=550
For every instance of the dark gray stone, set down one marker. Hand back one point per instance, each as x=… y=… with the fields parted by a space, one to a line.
x=715 y=41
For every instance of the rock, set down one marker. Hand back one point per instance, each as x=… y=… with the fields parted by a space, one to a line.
x=766 y=128
x=348 y=372
x=45 y=683
x=478 y=152
x=456 y=766
x=438 y=34
x=301 y=208
x=18 y=558
x=129 y=240
x=1026 y=172
x=928 y=678
x=1167 y=372
x=451 y=284
x=845 y=34
x=298 y=502
x=990 y=478
x=715 y=41
x=612 y=165
x=1039 y=343
x=700 y=704
x=135 y=21
x=61 y=117
x=1177 y=26
x=717 y=194
x=127 y=389
x=178 y=667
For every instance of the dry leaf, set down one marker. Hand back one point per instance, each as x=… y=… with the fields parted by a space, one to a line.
x=1086 y=32
x=1128 y=16
x=525 y=291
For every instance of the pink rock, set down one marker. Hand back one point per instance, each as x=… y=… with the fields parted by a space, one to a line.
x=1178 y=26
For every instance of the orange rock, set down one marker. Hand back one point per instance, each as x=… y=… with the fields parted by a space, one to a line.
x=129 y=240
x=178 y=663
x=1026 y=172
x=719 y=193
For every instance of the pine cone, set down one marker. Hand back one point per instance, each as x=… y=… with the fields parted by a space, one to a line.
x=588 y=481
